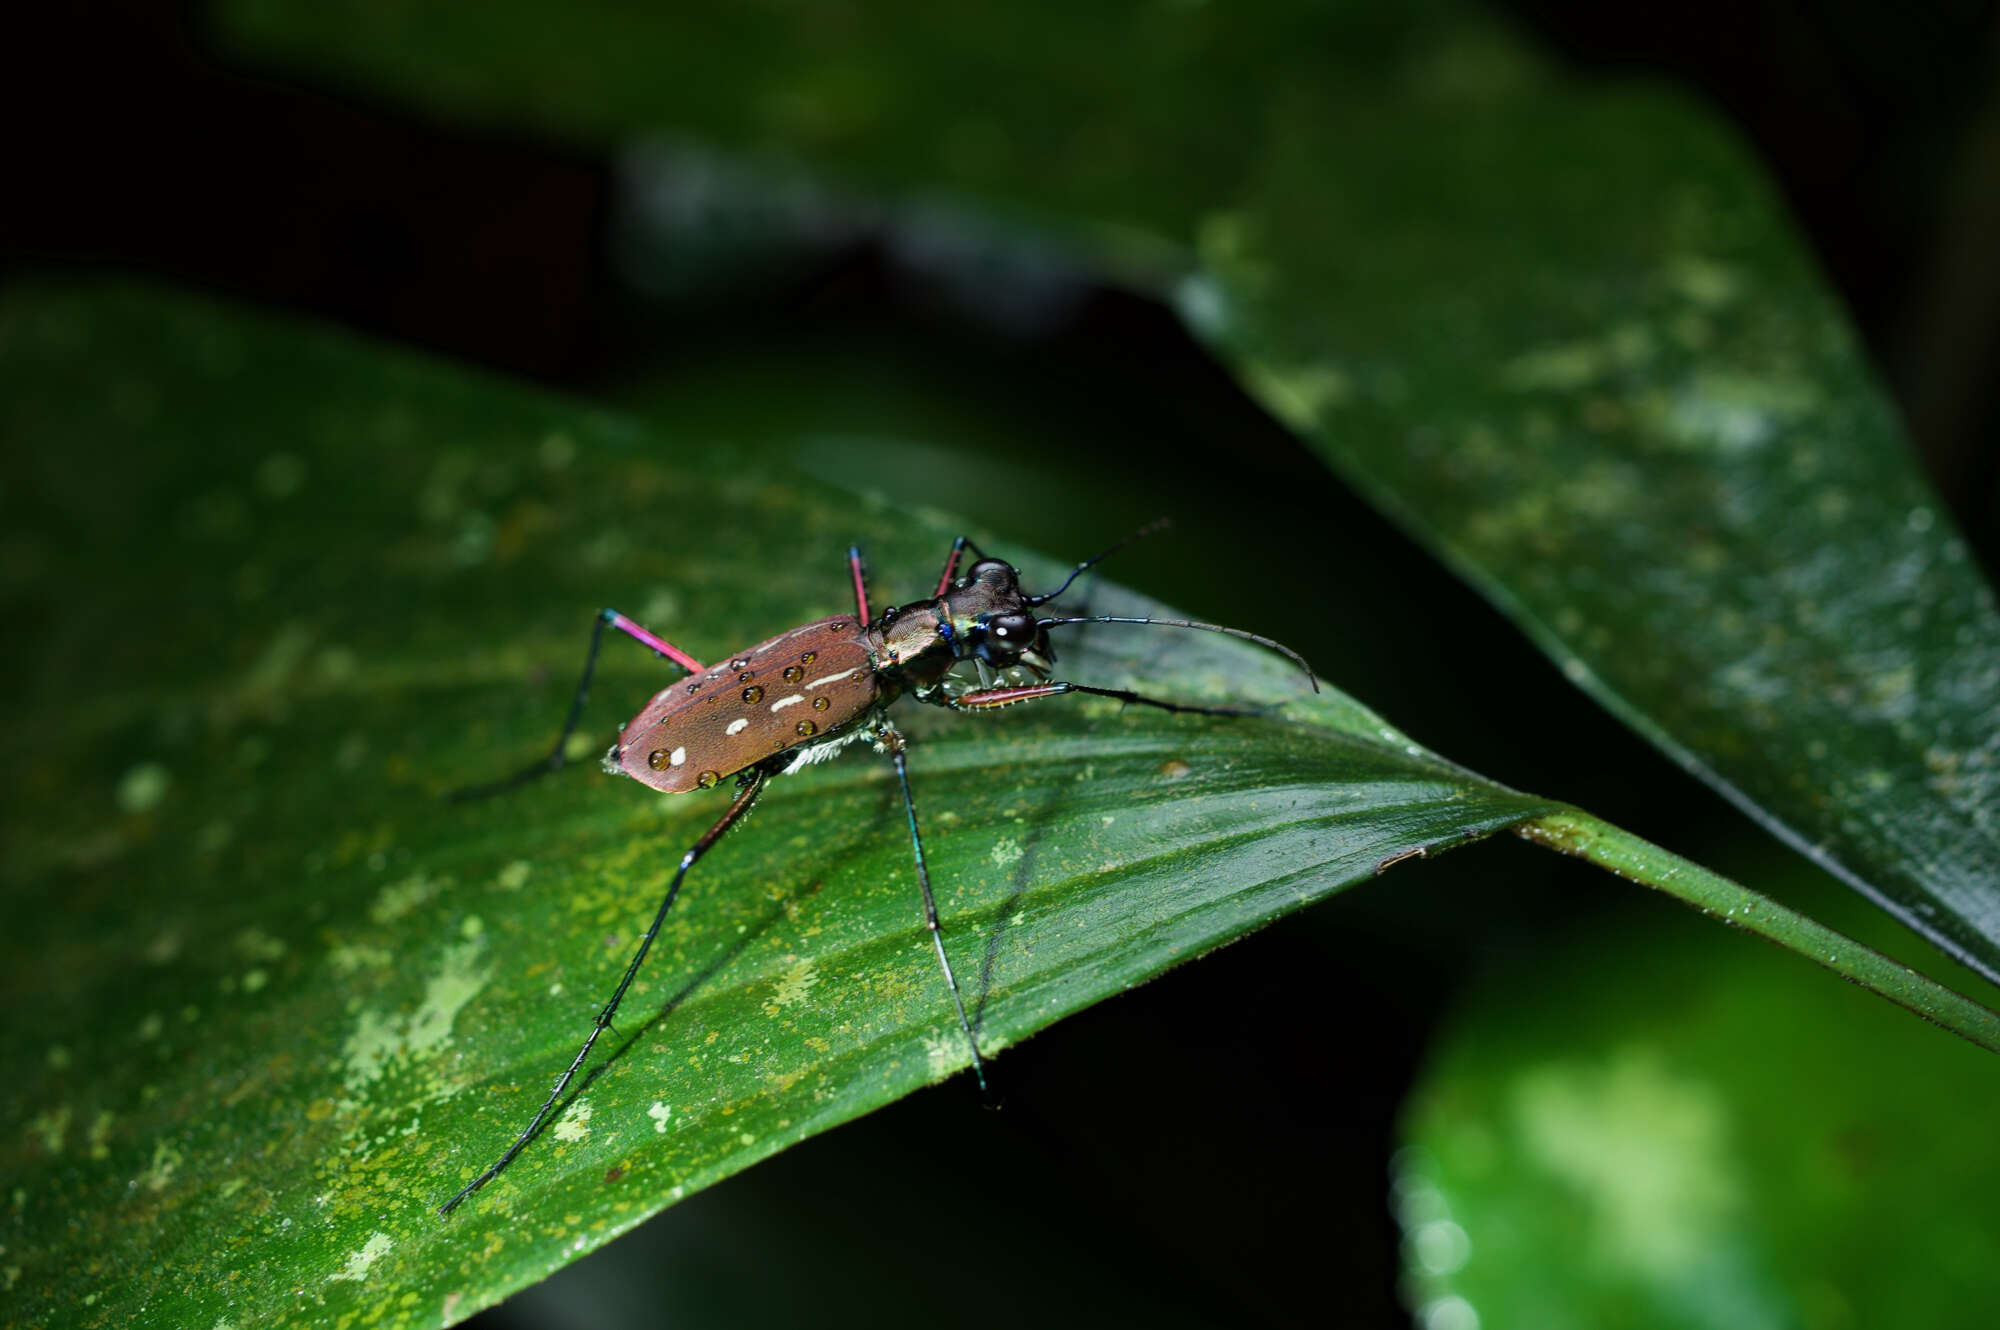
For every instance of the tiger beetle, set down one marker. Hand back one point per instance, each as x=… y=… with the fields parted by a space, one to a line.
x=801 y=697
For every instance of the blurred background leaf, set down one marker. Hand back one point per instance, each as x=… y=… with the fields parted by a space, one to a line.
x=1640 y=1126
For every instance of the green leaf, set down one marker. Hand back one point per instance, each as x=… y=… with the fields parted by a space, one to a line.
x=1611 y=1134
x=1558 y=328
x=273 y=1000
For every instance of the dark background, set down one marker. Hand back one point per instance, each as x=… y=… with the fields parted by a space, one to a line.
x=138 y=150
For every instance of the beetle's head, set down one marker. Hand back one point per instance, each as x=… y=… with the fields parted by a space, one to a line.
x=993 y=622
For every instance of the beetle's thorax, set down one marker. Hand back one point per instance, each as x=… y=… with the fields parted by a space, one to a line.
x=984 y=616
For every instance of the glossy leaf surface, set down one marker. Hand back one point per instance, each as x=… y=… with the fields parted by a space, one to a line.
x=273 y=1000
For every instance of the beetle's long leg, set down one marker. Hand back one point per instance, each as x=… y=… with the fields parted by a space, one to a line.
x=894 y=741
x=744 y=799
x=988 y=699
x=860 y=584
x=958 y=547
x=556 y=758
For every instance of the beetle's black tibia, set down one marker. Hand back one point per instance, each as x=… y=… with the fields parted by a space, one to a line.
x=746 y=796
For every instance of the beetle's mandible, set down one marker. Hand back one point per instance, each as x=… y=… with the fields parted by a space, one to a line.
x=975 y=644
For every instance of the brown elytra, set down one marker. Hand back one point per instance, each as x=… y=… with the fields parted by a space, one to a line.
x=697 y=732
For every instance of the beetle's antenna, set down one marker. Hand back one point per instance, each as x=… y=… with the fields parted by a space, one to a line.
x=1278 y=647
x=1157 y=524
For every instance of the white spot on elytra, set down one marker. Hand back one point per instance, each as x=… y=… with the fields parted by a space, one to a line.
x=358 y=1262
x=784 y=702
x=738 y=725
x=832 y=678
x=678 y=756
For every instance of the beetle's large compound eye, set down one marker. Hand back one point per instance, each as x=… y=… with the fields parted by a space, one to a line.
x=1005 y=637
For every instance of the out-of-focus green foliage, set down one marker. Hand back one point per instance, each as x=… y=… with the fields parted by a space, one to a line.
x=1649 y=1128
x=271 y=1000
x=1560 y=329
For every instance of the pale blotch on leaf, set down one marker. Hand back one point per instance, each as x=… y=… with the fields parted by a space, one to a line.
x=52 y=1126
x=575 y=1124
x=1301 y=396
x=258 y=945
x=142 y=787
x=796 y=984
x=1645 y=1151
x=1006 y=852
x=1702 y=281
x=378 y=1038
x=361 y=1261
x=663 y=605
x=166 y=1159
x=1562 y=367
x=943 y=1050
x=402 y=896
x=659 y=1113
x=1729 y=412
